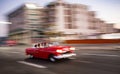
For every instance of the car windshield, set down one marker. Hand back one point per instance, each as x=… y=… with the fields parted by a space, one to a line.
x=54 y=43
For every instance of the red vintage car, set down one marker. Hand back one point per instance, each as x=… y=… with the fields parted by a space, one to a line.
x=51 y=51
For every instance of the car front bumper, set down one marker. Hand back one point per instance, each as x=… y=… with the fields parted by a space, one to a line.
x=64 y=56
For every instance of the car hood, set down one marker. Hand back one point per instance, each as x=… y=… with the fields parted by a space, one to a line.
x=65 y=48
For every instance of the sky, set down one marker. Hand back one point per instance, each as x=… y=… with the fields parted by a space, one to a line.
x=107 y=10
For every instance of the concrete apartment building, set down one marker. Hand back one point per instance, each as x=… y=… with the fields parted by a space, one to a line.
x=25 y=22
x=31 y=23
x=69 y=19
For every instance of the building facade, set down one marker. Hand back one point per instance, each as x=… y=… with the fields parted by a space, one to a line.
x=56 y=20
x=25 y=22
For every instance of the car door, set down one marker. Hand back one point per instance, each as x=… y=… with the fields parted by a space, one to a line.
x=45 y=52
x=39 y=53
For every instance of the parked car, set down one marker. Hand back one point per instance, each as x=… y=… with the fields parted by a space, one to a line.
x=11 y=43
x=51 y=51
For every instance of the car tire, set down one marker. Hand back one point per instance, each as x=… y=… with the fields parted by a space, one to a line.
x=31 y=56
x=52 y=59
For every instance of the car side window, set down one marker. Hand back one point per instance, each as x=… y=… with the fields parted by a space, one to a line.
x=34 y=46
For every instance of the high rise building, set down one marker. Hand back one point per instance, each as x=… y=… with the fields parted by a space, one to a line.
x=25 y=22
x=56 y=20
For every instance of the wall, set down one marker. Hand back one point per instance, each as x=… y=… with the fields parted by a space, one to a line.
x=92 y=41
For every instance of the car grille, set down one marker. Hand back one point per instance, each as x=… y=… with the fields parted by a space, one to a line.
x=66 y=52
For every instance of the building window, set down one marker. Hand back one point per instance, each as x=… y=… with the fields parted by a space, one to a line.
x=67 y=6
x=51 y=5
x=52 y=19
x=69 y=26
x=74 y=26
x=67 y=12
x=92 y=27
x=51 y=12
x=68 y=19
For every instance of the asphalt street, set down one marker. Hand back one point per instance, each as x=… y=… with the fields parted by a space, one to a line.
x=90 y=59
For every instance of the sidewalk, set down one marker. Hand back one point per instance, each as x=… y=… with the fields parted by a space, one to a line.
x=96 y=46
x=77 y=46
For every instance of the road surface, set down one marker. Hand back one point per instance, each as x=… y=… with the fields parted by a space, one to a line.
x=88 y=61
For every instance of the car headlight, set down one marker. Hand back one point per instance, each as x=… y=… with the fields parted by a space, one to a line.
x=72 y=48
x=59 y=51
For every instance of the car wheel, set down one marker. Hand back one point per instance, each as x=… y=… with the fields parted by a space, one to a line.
x=52 y=59
x=31 y=56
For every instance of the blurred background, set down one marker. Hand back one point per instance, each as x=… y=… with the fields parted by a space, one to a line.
x=24 y=22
